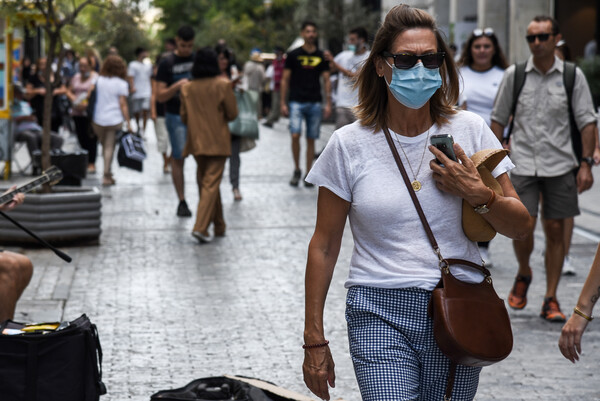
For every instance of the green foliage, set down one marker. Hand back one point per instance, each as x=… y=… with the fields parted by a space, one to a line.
x=117 y=26
x=244 y=24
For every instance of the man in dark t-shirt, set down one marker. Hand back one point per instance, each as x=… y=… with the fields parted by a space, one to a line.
x=304 y=68
x=174 y=71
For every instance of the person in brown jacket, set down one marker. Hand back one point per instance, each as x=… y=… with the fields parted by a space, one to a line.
x=207 y=104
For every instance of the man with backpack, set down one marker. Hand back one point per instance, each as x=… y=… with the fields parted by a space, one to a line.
x=552 y=142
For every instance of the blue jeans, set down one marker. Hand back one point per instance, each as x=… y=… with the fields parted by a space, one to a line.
x=177 y=134
x=311 y=112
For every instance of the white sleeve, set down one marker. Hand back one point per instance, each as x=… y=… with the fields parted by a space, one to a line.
x=124 y=89
x=333 y=170
x=489 y=141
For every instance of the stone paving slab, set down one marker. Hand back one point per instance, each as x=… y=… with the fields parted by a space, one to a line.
x=170 y=310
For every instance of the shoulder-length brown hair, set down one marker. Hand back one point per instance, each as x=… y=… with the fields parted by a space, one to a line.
x=114 y=66
x=498 y=59
x=372 y=90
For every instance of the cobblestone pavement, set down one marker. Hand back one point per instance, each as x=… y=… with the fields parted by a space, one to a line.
x=170 y=310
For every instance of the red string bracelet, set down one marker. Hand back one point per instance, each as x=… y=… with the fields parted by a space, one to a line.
x=306 y=346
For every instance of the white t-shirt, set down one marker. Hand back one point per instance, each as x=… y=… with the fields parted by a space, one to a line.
x=269 y=75
x=479 y=89
x=346 y=95
x=107 y=111
x=391 y=248
x=141 y=74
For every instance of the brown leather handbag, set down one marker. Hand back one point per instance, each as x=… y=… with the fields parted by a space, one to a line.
x=470 y=322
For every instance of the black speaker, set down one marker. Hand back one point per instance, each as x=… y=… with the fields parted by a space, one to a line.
x=73 y=165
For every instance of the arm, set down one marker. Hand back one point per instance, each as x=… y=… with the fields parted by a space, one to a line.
x=585 y=178
x=131 y=84
x=70 y=93
x=165 y=93
x=153 y=101
x=183 y=108
x=596 y=147
x=323 y=251
x=30 y=91
x=570 y=337
x=498 y=130
x=336 y=67
x=327 y=81
x=125 y=111
x=507 y=215
x=283 y=90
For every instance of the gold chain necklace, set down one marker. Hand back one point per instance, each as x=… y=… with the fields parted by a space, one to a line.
x=416 y=184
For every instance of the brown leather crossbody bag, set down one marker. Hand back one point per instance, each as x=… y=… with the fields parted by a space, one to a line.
x=470 y=322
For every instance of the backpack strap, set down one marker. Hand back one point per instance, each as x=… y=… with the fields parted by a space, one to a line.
x=569 y=73
x=518 y=84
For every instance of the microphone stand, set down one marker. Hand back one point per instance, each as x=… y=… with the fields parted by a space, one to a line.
x=42 y=241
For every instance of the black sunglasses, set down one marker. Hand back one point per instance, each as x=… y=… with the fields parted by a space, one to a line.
x=542 y=37
x=405 y=61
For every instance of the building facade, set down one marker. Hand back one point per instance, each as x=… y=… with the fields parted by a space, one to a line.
x=509 y=19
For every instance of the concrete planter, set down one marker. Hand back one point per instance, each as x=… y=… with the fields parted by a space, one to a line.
x=68 y=214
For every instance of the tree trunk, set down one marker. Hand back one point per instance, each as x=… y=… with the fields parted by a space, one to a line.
x=48 y=99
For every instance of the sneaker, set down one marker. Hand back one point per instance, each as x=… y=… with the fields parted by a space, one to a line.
x=485 y=256
x=183 y=210
x=568 y=268
x=237 y=195
x=296 y=178
x=202 y=238
x=308 y=184
x=551 y=311
x=517 y=299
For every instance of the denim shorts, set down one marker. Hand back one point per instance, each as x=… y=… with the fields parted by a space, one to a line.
x=177 y=134
x=311 y=112
x=393 y=349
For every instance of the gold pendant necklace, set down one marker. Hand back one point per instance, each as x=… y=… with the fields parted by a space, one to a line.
x=416 y=184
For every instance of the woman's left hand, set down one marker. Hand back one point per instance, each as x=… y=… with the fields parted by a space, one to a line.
x=459 y=179
x=570 y=337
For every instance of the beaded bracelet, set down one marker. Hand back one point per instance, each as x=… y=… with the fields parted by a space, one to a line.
x=306 y=346
x=583 y=315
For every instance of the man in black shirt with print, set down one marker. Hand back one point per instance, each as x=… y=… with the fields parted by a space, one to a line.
x=304 y=67
x=174 y=71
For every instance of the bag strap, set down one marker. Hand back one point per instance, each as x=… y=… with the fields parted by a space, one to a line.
x=450 y=384
x=411 y=191
x=569 y=74
x=518 y=84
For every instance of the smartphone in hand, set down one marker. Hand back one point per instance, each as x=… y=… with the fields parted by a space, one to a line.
x=445 y=144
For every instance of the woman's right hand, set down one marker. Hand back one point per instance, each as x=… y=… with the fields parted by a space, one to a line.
x=569 y=342
x=318 y=369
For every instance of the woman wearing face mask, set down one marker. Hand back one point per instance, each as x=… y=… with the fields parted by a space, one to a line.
x=79 y=91
x=482 y=66
x=408 y=88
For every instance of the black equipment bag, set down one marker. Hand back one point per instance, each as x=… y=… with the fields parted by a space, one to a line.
x=131 y=152
x=226 y=388
x=56 y=365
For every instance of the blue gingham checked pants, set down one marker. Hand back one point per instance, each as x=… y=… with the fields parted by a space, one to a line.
x=394 y=352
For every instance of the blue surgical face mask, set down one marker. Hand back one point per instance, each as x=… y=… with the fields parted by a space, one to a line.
x=352 y=48
x=415 y=86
